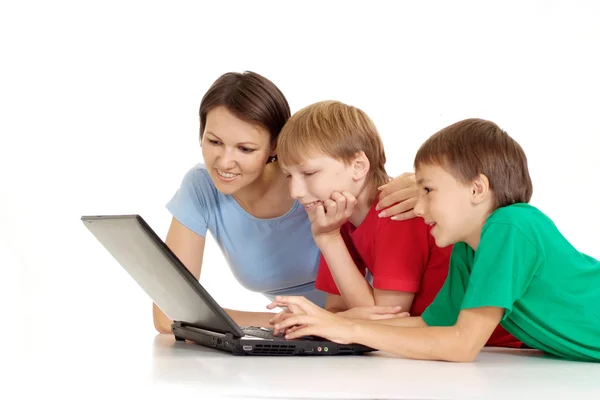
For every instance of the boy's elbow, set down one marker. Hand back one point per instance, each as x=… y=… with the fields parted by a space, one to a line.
x=462 y=350
x=463 y=357
x=464 y=353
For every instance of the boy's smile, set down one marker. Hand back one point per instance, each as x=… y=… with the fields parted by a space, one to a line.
x=312 y=205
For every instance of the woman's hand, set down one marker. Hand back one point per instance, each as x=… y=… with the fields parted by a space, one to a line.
x=398 y=197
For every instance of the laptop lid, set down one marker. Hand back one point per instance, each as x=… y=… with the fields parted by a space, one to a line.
x=159 y=272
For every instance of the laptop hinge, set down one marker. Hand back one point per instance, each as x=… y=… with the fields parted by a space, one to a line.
x=181 y=324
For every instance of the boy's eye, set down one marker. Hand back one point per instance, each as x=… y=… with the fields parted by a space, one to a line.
x=427 y=190
x=288 y=176
x=309 y=173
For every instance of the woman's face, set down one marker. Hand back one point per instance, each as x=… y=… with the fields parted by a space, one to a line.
x=235 y=152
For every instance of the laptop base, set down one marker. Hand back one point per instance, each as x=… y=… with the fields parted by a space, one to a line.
x=254 y=346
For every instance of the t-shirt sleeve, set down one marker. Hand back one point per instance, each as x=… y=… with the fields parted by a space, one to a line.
x=190 y=203
x=402 y=251
x=444 y=309
x=505 y=263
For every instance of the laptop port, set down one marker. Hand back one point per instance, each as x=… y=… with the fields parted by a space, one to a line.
x=309 y=350
x=247 y=348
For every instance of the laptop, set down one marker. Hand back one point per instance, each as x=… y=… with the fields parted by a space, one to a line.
x=195 y=314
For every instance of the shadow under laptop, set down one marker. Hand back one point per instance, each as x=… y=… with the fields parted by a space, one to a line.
x=296 y=376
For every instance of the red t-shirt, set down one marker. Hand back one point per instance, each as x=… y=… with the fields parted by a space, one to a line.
x=401 y=256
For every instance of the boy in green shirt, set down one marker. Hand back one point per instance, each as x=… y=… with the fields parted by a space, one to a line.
x=510 y=264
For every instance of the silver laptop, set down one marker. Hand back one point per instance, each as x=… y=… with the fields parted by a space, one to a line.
x=195 y=314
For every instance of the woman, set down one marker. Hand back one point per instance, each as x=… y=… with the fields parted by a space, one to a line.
x=241 y=196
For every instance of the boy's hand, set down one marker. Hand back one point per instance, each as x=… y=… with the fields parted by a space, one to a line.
x=288 y=311
x=398 y=197
x=371 y=313
x=328 y=218
x=374 y=313
x=311 y=319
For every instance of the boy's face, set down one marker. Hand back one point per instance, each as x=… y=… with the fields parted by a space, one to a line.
x=446 y=204
x=317 y=177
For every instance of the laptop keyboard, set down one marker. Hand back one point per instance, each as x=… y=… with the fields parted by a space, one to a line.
x=263 y=333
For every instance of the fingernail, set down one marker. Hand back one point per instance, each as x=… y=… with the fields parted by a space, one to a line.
x=383 y=214
x=377 y=207
x=396 y=218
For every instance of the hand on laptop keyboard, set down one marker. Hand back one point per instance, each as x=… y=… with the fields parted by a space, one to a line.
x=263 y=333
x=266 y=333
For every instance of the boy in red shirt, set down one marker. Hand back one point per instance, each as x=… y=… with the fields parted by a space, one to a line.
x=335 y=162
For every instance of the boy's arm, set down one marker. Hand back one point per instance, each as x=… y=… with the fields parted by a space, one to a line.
x=393 y=298
x=460 y=342
x=334 y=303
x=401 y=259
x=327 y=224
x=401 y=256
x=406 y=322
x=352 y=285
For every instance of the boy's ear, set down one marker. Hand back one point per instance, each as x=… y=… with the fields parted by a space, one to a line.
x=361 y=165
x=480 y=189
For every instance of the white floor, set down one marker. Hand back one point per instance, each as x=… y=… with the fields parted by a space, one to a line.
x=155 y=366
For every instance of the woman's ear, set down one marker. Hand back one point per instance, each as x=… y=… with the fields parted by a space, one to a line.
x=480 y=189
x=360 y=165
x=273 y=156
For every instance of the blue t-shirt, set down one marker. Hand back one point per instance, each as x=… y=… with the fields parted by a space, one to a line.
x=271 y=256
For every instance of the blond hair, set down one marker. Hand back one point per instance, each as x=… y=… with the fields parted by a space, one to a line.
x=334 y=129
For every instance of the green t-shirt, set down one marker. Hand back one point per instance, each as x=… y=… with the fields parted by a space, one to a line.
x=549 y=290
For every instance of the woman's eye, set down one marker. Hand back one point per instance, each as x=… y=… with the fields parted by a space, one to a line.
x=246 y=150
x=427 y=190
x=213 y=142
x=309 y=173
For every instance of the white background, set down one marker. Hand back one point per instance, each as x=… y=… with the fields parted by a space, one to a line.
x=99 y=105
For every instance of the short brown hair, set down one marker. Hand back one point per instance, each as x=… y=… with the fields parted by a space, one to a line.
x=337 y=130
x=475 y=146
x=250 y=97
